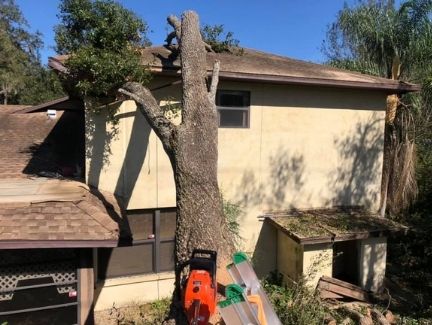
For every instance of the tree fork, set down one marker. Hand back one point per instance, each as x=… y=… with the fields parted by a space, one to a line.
x=191 y=147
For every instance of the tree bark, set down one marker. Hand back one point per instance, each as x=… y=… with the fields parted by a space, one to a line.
x=389 y=139
x=191 y=148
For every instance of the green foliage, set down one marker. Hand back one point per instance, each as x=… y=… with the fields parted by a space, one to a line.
x=103 y=41
x=22 y=78
x=295 y=304
x=220 y=41
x=15 y=26
x=40 y=85
x=370 y=35
x=232 y=214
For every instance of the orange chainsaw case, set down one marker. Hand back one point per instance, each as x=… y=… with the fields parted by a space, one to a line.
x=199 y=300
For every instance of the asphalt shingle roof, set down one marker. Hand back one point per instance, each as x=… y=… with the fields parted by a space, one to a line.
x=38 y=212
x=49 y=210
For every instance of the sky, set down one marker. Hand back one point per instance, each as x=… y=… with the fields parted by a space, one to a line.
x=293 y=28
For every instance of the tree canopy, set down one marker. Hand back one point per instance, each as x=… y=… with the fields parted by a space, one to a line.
x=23 y=79
x=372 y=35
x=103 y=41
x=219 y=40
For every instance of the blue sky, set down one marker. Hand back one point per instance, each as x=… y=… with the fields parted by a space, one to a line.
x=294 y=28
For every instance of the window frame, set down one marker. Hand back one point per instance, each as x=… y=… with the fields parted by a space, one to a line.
x=244 y=109
x=155 y=242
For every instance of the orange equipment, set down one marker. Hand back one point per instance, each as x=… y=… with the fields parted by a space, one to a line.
x=199 y=299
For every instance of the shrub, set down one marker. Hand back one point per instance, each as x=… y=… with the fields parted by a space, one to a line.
x=232 y=213
x=296 y=304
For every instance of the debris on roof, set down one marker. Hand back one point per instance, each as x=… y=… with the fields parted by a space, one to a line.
x=332 y=224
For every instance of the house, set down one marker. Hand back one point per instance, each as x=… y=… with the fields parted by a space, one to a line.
x=292 y=134
x=49 y=224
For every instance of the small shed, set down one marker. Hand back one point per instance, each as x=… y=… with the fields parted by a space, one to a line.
x=349 y=244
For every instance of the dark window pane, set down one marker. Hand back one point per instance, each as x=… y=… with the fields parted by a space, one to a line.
x=167 y=256
x=233 y=118
x=167 y=223
x=230 y=98
x=141 y=225
x=122 y=261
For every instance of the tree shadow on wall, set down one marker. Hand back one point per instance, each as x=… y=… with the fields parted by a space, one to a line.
x=356 y=179
x=99 y=134
x=286 y=175
x=134 y=157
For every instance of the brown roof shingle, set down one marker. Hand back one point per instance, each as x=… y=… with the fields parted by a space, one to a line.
x=46 y=213
x=259 y=66
x=19 y=134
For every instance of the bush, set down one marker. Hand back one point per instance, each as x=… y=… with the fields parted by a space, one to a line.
x=296 y=304
x=232 y=213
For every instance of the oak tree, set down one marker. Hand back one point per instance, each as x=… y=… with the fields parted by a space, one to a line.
x=103 y=41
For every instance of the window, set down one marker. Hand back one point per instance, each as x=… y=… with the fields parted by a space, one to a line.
x=233 y=108
x=152 y=248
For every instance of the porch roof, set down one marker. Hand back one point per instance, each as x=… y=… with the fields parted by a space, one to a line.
x=47 y=213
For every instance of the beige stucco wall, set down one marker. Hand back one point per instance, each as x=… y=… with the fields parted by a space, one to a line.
x=373 y=256
x=306 y=147
x=139 y=289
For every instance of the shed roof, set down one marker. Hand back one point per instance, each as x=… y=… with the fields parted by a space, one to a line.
x=44 y=213
x=315 y=226
x=257 y=66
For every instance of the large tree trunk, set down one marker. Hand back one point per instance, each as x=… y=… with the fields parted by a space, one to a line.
x=192 y=148
x=201 y=223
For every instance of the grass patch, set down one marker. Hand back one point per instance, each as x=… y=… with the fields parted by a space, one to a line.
x=136 y=314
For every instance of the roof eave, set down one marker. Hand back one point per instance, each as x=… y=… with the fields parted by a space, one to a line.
x=389 y=87
x=25 y=244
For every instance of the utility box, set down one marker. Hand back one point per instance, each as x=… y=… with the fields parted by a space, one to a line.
x=348 y=244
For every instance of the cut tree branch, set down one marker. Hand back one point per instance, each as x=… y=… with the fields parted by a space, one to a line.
x=149 y=107
x=214 y=81
x=176 y=34
x=176 y=25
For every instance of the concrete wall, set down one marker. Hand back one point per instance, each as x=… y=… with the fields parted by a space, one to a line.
x=306 y=147
x=125 y=291
x=373 y=255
